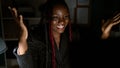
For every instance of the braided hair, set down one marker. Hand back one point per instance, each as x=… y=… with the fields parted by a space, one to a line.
x=47 y=13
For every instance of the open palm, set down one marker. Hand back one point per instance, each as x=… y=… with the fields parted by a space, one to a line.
x=22 y=46
x=107 y=25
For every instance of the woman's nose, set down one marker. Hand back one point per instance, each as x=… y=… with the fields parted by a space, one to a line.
x=61 y=20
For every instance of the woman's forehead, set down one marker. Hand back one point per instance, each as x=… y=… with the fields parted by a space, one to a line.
x=60 y=8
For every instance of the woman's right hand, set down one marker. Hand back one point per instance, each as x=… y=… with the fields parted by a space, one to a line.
x=22 y=45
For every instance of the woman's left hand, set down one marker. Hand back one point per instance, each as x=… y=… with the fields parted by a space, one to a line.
x=107 y=26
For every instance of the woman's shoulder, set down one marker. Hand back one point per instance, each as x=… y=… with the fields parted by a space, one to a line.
x=75 y=32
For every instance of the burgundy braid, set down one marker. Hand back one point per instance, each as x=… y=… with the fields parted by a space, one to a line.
x=52 y=43
x=53 y=49
x=70 y=32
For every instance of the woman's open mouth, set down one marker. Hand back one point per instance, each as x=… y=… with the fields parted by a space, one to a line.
x=60 y=26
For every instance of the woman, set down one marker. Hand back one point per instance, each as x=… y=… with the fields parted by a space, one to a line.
x=52 y=51
x=47 y=47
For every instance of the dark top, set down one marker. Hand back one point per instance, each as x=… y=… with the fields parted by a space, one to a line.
x=39 y=53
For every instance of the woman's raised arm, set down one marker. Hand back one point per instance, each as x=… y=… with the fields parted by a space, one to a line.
x=107 y=25
x=22 y=44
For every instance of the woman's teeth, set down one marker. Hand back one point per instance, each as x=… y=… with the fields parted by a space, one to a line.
x=60 y=26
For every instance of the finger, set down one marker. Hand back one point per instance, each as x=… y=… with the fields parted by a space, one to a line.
x=9 y=7
x=103 y=24
x=22 y=25
x=116 y=16
x=103 y=21
x=21 y=20
x=13 y=11
x=116 y=22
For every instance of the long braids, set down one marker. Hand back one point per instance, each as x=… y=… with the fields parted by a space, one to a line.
x=50 y=5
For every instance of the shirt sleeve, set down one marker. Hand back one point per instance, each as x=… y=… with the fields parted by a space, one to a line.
x=24 y=61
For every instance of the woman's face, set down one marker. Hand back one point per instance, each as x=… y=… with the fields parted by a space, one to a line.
x=60 y=19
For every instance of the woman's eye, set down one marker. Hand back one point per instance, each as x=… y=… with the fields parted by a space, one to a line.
x=54 y=18
x=66 y=17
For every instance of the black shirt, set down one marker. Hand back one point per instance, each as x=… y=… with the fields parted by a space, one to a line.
x=39 y=54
